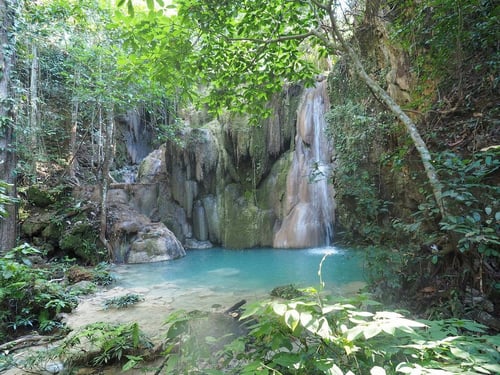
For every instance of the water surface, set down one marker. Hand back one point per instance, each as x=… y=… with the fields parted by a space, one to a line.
x=248 y=271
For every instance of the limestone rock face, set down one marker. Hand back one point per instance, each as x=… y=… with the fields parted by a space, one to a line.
x=135 y=239
x=242 y=186
x=231 y=184
x=221 y=183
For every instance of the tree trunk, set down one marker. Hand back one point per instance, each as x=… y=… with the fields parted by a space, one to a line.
x=108 y=159
x=8 y=160
x=33 y=97
x=385 y=98
x=73 y=147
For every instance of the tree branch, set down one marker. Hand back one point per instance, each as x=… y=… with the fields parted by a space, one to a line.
x=389 y=102
x=278 y=39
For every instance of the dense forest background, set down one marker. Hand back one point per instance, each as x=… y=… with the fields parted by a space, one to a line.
x=414 y=118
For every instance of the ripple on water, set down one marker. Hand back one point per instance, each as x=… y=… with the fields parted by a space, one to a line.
x=225 y=272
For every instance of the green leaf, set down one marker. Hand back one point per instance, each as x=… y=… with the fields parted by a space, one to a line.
x=329 y=308
x=334 y=370
x=292 y=319
x=377 y=370
x=130 y=8
x=306 y=319
x=280 y=308
x=288 y=360
x=372 y=330
x=132 y=361
x=459 y=353
x=354 y=332
x=250 y=310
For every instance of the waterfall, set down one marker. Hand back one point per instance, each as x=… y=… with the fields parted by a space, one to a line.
x=309 y=206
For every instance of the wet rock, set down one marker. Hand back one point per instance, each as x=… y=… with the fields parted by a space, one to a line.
x=154 y=243
x=135 y=239
x=191 y=243
x=54 y=367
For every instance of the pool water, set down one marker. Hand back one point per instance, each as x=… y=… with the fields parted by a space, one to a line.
x=249 y=270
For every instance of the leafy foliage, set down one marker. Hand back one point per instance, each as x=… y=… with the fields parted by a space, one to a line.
x=28 y=299
x=469 y=233
x=355 y=131
x=4 y=198
x=237 y=53
x=313 y=336
x=450 y=39
x=94 y=345
x=109 y=343
x=122 y=302
x=197 y=341
x=473 y=202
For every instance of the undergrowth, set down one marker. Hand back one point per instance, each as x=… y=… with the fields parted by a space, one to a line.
x=315 y=335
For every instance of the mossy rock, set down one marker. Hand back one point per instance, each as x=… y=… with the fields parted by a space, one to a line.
x=244 y=224
x=52 y=231
x=81 y=240
x=76 y=274
x=40 y=197
x=286 y=292
x=36 y=224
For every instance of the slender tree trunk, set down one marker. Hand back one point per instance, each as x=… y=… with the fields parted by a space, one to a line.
x=73 y=147
x=33 y=117
x=8 y=232
x=385 y=98
x=108 y=159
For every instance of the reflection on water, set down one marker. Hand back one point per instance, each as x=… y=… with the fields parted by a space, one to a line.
x=249 y=270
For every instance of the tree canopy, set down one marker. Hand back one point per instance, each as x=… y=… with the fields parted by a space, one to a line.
x=245 y=52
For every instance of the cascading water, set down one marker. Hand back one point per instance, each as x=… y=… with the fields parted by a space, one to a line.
x=309 y=207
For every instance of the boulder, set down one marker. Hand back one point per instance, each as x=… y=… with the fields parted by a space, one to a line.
x=135 y=239
x=154 y=243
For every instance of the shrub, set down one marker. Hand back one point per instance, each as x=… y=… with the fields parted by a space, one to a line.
x=28 y=298
x=122 y=302
x=314 y=336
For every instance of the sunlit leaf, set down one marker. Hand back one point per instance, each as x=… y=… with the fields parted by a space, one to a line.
x=334 y=370
x=377 y=370
x=292 y=319
x=371 y=330
x=280 y=308
x=306 y=319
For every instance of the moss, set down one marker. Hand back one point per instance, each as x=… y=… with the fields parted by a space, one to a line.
x=286 y=292
x=271 y=192
x=244 y=224
x=51 y=232
x=81 y=240
x=40 y=197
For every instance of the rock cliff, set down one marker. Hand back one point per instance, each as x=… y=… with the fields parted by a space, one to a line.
x=239 y=186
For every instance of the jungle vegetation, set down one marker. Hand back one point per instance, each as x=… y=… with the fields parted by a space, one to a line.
x=69 y=68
